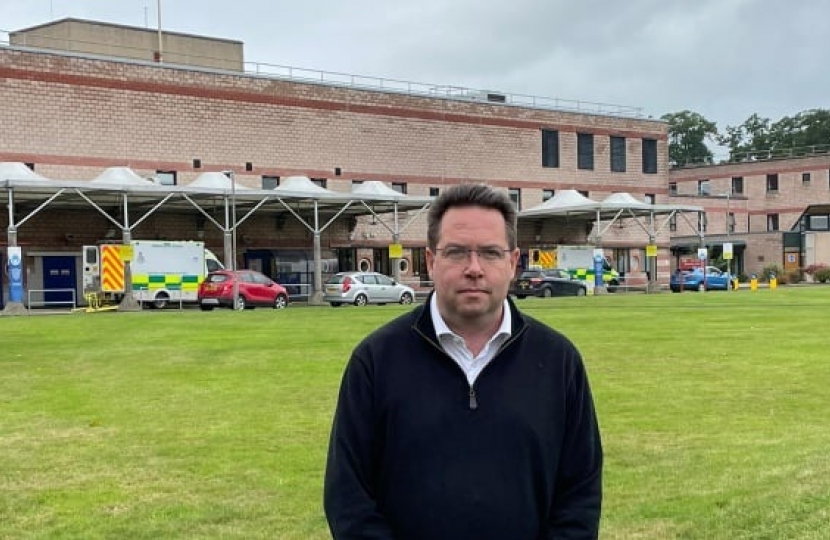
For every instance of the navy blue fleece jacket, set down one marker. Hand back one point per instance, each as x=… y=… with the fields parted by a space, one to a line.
x=417 y=453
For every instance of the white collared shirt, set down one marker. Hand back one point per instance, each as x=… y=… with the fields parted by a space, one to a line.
x=454 y=345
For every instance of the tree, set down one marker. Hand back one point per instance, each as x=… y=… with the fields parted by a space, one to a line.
x=807 y=132
x=688 y=133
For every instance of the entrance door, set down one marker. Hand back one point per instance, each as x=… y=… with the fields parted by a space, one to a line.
x=59 y=273
x=381 y=261
x=261 y=261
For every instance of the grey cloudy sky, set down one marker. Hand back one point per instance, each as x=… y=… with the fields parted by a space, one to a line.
x=725 y=59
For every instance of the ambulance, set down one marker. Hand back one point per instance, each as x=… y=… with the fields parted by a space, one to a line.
x=577 y=260
x=163 y=272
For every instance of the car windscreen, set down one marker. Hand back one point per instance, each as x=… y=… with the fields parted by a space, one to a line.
x=336 y=280
x=217 y=278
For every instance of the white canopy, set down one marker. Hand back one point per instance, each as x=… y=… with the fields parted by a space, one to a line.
x=563 y=202
x=14 y=170
x=215 y=180
x=571 y=202
x=377 y=190
x=624 y=201
x=121 y=176
x=302 y=187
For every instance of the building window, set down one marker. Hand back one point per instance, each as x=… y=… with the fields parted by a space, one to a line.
x=673 y=222
x=31 y=166
x=550 y=148
x=433 y=191
x=730 y=222
x=772 y=222
x=322 y=182
x=672 y=188
x=419 y=262
x=818 y=223
x=400 y=187
x=805 y=178
x=515 y=195
x=547 y=194
x=167 y=178
x=583 y=192
x=772 y=183
x=650 y=156
x=737 y=185
x=270 y=182
x=356 y=182
x=704 y=189
x=701 y=222
x=617 y=154
x=585 y=151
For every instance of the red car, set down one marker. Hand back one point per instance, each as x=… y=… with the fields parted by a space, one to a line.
x=255 y=289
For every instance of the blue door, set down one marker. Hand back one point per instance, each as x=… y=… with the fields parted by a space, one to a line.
x=59 y=273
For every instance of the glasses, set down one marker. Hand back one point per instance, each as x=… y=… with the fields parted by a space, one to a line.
x=458 y=254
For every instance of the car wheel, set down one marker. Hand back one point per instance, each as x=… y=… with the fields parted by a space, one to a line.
x=701 y=287
x=546 y=292
x=406 y=298
x=160 y=301
x=280 y=302
x=335 y=304
x=581 y=291
x=361 y=300
x=612 y=286
x=241 y=303
x=205 y=308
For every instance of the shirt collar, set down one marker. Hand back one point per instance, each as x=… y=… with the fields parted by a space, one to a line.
x=441 y=329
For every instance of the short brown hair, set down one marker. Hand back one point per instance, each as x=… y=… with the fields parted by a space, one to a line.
x=466 y=195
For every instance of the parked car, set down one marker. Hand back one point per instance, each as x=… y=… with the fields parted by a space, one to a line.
x=255 y=289
x=546 y=283
x=361 y=288
x=693 y=279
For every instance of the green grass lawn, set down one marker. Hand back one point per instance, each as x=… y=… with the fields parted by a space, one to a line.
x=714 y=411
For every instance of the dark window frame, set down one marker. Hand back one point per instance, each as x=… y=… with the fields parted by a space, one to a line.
x=550 y=148
x=649 y=156
x=773 y=223
x=173 y=174
x=585 y=151
x=618 y=154
x=268 y=179
x=515 y=195
x=400 y=187
x=772 y=183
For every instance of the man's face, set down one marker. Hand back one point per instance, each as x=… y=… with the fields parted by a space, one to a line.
x=471 y=286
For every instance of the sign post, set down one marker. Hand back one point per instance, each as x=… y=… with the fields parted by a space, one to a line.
x=727 y=256
x=599 y=258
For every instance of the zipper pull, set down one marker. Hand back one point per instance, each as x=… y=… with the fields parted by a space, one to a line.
x=473 y=400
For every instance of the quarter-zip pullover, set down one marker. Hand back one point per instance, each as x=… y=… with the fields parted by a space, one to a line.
x=418 y=453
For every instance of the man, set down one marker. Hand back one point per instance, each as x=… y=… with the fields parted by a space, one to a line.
x=465 y=418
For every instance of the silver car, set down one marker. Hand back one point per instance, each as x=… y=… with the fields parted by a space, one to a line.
x=361 y=288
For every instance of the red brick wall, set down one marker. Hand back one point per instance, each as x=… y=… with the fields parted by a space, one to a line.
x=73 y=116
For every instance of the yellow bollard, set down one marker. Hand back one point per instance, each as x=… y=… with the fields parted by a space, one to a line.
x=735 y=284
x=773 y=283
x=753 y=284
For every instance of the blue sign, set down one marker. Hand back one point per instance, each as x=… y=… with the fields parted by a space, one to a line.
x=15 y=269
x=598 y=268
